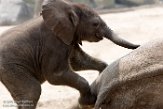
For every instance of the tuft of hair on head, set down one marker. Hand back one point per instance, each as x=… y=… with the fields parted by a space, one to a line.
x=84 y=10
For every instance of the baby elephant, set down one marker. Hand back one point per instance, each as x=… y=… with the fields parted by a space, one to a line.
x=134 y=81
x=47 y=48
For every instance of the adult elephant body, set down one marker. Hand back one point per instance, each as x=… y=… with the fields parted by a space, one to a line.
x=47 y=48
x=134 y=81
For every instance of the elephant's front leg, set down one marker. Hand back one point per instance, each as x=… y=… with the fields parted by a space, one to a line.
x=79 y=60
x=73 y=80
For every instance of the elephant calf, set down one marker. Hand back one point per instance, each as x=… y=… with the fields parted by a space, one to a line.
x=47 y=49
x=134 y=81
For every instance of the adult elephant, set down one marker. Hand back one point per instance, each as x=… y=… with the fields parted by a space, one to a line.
x=47 y=48
x=134 y=81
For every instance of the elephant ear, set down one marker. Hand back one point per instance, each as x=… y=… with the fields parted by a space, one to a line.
x=60 y=17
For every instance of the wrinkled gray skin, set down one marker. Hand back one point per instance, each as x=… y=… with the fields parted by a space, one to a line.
x=134 y=81
x=47 y=49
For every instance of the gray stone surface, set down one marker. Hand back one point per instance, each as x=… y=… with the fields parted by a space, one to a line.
x=14 y=12
x=136 y=2
x=106 y=3
x=98 y=3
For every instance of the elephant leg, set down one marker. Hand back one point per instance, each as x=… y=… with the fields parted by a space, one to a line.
x=73 y=80
x=23 y=87
x=79 y=60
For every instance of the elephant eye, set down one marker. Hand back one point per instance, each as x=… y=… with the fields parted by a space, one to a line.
x=95 y=24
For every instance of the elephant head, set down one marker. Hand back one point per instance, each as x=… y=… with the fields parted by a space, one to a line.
x=74 y=23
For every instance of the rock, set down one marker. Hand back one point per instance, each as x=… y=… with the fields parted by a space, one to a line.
x=14 y=12
x=136 y=2
x=106 y=3
x=98 y=3
x=82 y=1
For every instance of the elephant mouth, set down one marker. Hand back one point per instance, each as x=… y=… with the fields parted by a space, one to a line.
x=99 y=36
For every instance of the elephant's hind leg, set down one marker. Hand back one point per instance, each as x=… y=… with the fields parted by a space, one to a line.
x=23 y=87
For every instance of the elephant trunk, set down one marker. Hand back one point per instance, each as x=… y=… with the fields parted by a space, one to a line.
x=119 y=41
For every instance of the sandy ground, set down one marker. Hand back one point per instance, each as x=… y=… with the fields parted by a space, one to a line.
x=137 y=26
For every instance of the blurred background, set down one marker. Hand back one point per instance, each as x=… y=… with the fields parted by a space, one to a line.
x=18 y=11
x=137 y=21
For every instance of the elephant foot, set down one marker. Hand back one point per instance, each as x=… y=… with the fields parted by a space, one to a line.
x=87 y=102
x=86 y=106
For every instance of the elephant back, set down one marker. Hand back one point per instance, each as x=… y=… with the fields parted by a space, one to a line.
x=128 y=85
x=144 y=93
